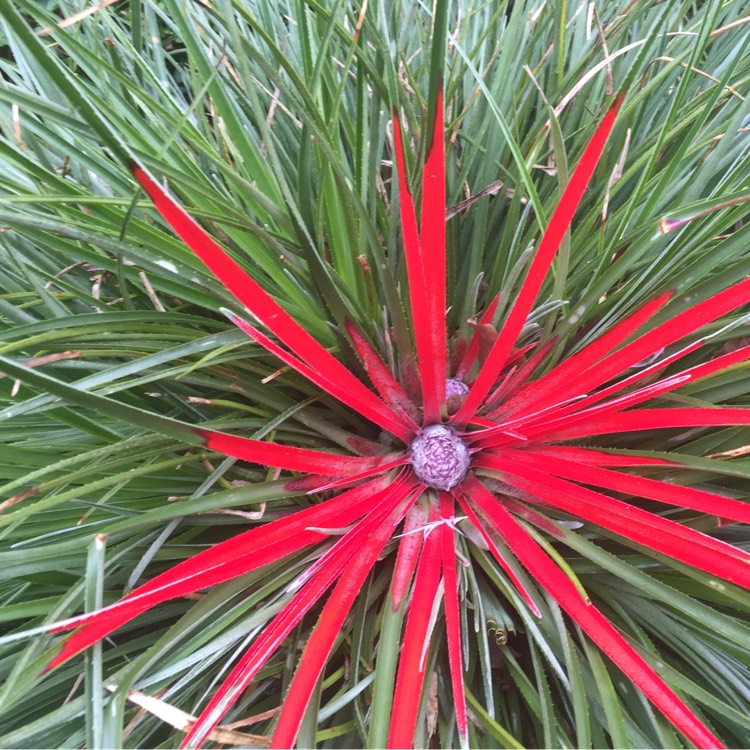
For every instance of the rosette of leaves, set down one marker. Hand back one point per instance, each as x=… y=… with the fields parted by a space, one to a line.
x=481 y=416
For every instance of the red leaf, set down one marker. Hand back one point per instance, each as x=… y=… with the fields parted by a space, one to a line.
x=434 y=264
x=416 y=642
x=621 y=385
x=332 y=618
x=527 y=513
x=291 y=458
x=548 y=245
x=339 y=483
x=663 y=335
x=265 y=308
x=540 y=426
x=453 y=618
x=648 y=529
x=470 y=355
x=481 y=527
x=590 y=619
x=516 y=380
x=409 y=548
x=656 y=419
x=386 y=385
x=717 y=364
x=323 y=575
x=567 y=416
x=222 y=562
x=388 y=420
x=653 y=489
x=561 y=382
x=420 y=281
x=590 y=457
x=693 y=373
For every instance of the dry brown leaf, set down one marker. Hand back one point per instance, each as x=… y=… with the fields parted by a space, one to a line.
x=183 y=721
x=743 y=450
x=76 y=17
x=492 y=189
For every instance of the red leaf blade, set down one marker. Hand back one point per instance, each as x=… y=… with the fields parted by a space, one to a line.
x=655 y=419
x=409 y=549
x=652 y=489
x=323 y=575
x=561 y=382
x=434 y=263
x=644 y=346
x=223 y=561
x=387 y=386
x=264 y=307
x=507 y=569
x=472 y=351
x=412 y=662
x=289 y=457
x=322 y=380
x=331 y=619
x=654 y=532
x=548 y=245
x=591 y=457
x=591 y=620
x=453 y=617
x=422 y=280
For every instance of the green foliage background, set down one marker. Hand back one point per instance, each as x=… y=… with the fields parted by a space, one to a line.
x=272 y=123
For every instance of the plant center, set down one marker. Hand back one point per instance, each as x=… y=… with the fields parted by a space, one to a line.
x=439 y=457
x=455 y=394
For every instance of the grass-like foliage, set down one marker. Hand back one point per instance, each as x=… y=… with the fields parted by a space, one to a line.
x=374 y=374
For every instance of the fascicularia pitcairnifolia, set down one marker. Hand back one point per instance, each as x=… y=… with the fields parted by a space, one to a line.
x=477 y=421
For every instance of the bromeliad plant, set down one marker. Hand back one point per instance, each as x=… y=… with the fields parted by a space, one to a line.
x=506 y=447
x=508 y=441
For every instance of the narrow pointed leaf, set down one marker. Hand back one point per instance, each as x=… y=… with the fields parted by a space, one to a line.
x=592 y=457
x=387 y=386
x=290 y=457
x=667 y=333
x=331 y=619
x=591 y=620
x=472 y=351
x=578 y=414
x=265 y=308
x=548 y=245
x=409 y=549
x=255 y=451
x=453 y=617
x=648 y=529
x=354 y=478
x=324 y=574
x=322 y=380
x=364 y=527
x=563 y=379
x=222 y=562
x=587 y=400
x=507 y=569
x=574 y=413
x=655 y=419
x=541 y=425
x=653 y=489
x=416 y=641
x=421 y=307
x=510 y=385
x=702 y=370
x=433 y=258
x=509 y=381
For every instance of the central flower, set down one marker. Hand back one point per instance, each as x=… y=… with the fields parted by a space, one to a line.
x=456 y=392
x=439 y=457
